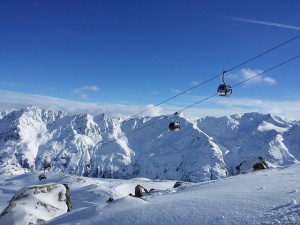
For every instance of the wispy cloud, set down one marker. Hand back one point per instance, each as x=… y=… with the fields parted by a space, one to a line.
x=266 y=23
x=81 y=91
x=217 y=106
x=86 y=88
x=153 y=92
x=248 y=74
x=17 y=100
x=284 y=108
x=194 y=83
x=176 y=91
x=214 y=107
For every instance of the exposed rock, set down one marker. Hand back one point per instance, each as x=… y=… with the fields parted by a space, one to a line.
x=259 y=166
x=139 y=191
x=252 y=165
x=36 y=204
x=68 y=197
x=177 y=184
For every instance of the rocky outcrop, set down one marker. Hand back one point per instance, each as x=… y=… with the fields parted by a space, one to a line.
x=252 y=165
x=36 y=204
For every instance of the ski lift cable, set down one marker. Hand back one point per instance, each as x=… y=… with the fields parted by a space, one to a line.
x=263 y=53
x=250 y=78
x=214 y=77
x=205 y=99
x=274 y=67
x=130 y=132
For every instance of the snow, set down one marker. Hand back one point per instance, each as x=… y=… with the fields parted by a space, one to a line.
x=263 y=197
x=35 y=204
x=204 y=153
x=268 y=126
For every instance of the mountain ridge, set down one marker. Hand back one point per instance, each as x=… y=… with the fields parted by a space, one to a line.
x=99 y=146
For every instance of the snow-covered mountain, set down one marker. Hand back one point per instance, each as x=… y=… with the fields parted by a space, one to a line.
x=247 y=136
x=98 y=146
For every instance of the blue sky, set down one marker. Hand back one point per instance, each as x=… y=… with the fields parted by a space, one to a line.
x=121 y=56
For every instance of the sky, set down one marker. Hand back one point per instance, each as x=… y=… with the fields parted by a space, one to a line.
x=121 y=56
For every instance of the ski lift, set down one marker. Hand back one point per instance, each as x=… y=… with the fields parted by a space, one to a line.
x=42 y=177
x=174 y=126
x=46 y=165
x=224 y=89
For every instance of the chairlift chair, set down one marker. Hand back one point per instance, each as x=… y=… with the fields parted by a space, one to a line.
x=224 y=89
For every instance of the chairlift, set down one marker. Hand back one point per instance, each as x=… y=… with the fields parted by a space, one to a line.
x=174 y=125
x=224 y=89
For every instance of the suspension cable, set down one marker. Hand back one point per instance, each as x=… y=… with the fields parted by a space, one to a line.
x=147 y=125
x=212 y=78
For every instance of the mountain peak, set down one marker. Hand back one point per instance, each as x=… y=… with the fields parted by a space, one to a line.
x=99 y=146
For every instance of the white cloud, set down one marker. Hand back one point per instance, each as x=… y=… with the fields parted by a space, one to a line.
x=154 y=111
x=267 y=23
x=270 y=80
x=18 y=100
x=213 y=107
x=86 y=88
x=285 y=108
x=225 y=106
x=251 y=77
x=81 y=91
x=194 y=83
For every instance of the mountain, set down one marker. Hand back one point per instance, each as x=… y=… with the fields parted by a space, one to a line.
x=247 y=136
x=99 y=146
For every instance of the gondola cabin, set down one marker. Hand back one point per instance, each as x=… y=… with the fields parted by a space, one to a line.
x=174 y=126
x=224 y=90
x=42 y=177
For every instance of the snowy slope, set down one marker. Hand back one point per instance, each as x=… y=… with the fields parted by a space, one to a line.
x=35 y=204
x=247 y=136
x=266 y=197
x=98 y=146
